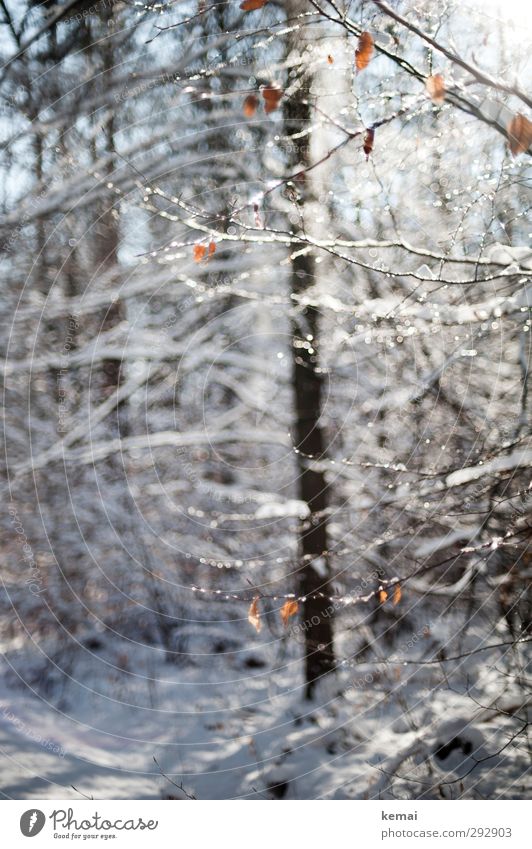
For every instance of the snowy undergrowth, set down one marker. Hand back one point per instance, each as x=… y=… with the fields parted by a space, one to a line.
x=237 y=726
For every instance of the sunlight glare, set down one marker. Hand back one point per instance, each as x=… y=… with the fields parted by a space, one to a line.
x=517 y=14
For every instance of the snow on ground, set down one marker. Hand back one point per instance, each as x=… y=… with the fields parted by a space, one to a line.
x=229 y=726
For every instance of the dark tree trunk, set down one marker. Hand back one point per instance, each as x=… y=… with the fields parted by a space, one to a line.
x=307 y=388
x=108 y=239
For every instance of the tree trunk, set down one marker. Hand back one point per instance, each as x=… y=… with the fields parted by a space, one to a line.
x=307 y=387
x=106 y=249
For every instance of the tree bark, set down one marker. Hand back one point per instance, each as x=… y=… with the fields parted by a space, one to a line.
x=310 y=440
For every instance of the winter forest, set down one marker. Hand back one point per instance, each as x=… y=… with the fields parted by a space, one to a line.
x=266 y=336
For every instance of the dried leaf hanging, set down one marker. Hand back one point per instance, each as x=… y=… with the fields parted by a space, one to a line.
x=330 y=59
x=272 y=94
x=364 y=51
x=288 y=609
x=383 y=595
x=397 y=594
x=254 y=615
x=368 y=141
x=519 y=134
x=203 y=252
x=251 y=5
x=250 y=105
x=435 y=87
x=199 y=252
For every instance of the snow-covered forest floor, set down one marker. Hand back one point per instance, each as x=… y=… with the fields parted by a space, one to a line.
x=237 y=727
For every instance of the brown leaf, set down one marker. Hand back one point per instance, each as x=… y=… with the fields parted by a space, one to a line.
x=383 y=595
x=254 y=615
x=330 y=59
x=397 y=594
x=204 y=252
x=435 y=87
x=199 y=252
x=368 y=141
x=364 y=51
x=250 y=105
x=288 y=609
x=251 y=5
x=519 y=134
x=272 y=94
